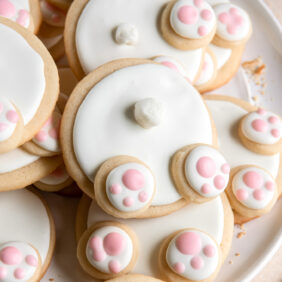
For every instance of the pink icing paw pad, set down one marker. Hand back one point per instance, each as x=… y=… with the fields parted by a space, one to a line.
x=18 y=262
x=7 y=9
x=254 y=187
x=193 y=254
x=109 y=249
x=192 y=18
x=23 y=17
x=262 y=127
x=207 y=171
x=9 y=119
x=233 y=23
x=48 y=136
x=130 y=187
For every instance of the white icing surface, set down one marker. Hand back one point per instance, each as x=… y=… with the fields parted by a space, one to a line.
x=265 y=136
x=208 y=217
x=22 y=77
x=194 y=23
x=222 y=55
x=208 y=70
x=226 y=116
x=123 y=258
x=15 y=159
x=57 y=177
x=216 y=2
x=174 y=256
x=198 y=181
x=100 y=17
x=23 y=217
x=143 y=183
x=240 y=31
x=104 y=126
x=29 y=270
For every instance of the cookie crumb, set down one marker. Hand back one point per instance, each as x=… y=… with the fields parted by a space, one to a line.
x=241 y=234
x=237 y=254
x=230 y=262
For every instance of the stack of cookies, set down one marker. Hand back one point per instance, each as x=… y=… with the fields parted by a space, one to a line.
x=103 y=97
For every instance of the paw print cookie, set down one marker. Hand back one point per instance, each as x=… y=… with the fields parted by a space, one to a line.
x=191 y=254
x=234 y=26
x=124 y=187
x=252 y=191
x=188 y=24
x=200 y=172
x=261 y=131
x=51 y=14
x=19 y=261
x=107 y=250
x=11 y=125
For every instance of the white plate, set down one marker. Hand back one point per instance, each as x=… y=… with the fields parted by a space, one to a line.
x=264 y=235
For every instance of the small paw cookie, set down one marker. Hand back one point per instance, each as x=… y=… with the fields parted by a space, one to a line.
x=188 y=24
x=19 y=261
x=234 y=26
x=107 y=250
x=35 y=86
x=24 y=12
x=261 y=131
x=134 y=278
x=252 y=191
x=200 y=172
x=52 y=15
x=189 y=255
x=124 y=187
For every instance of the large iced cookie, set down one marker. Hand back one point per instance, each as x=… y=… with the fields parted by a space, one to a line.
x=139 y=109
x=119 y=27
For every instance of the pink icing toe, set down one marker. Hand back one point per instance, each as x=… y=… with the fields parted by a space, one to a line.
x=197 y=262
x=133 y=179
x=143 y=196
x=209 y=251
x=206 y=167
x=273 y=119
x=3 y=126
x=12 y=116
x=114 y=266
x=206 y=188
x=225 y=168
x=41 y=136
x=259 y=125
x=96 y=243
x=206 y=15
x=31 y=260
x=242 y=195
x=202 y=31
x=188 y=15
x=114 y=244
x=11 y=256
x=259 y=194
x=99 y=256
x=115 y=189
x=261 y=111
x=23 y=17
x=269 y=186
x=219 y=182
x=233 y=20
x=7 y=9
x=170 y=65
x=275 y=133
x=128 y=201
x=19 y=273
x=3 y=272
x=189 y=243
x=223 y=18
x=179 y=267
x=198 y=3
x=253 y=179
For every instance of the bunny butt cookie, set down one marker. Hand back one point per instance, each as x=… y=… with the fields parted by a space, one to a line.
x=260 y=131
x=137 y=125
x=188 y=24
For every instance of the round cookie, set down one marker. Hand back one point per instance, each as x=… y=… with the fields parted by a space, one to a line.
x=107 y=249
x=29 y=230
x=35 y=86
x=252 y=191
x=189 y=255
x=234 y=26
x=92 y=26
x=179 y=109
x=200 y=172
x=124 y=187
x=214 y=218
x=188 y=24
x=260 y=131
x=24 y=12
x=52 y=15
x=134 y=278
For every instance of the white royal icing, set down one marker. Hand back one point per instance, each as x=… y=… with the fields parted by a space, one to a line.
x=8 y=119
x=98 y=20
x=208 y=217
x=16 y=10
x=130 y=187
x=262 y=127
x=48 y=136
x=109 y=249
x=23 y=217
x=216 y=2
x=192 y=18
x=18 y=261
x=193 y=255
x=126 y=34
x=15 y=159
x=226 y=116
x=58 y=176
x=253 y=187
x=222 y=55
x=109 y=115
x=208 y=70
x=233 y=23
x=206 y=171
x=22 y=78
